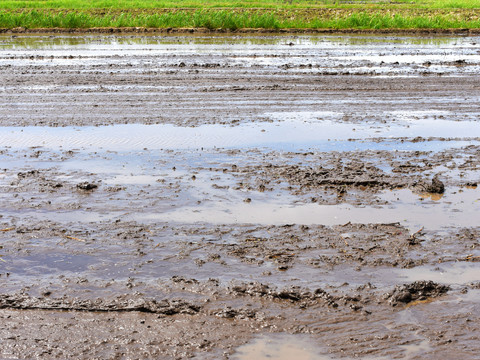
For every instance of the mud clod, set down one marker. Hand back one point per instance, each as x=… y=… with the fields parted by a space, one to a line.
x=435 y=187
x=419 y=290
x=87 y=186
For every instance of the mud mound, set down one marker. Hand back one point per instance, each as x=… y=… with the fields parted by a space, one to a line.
x=435 y=187
x=418 y=290
x=120 y=304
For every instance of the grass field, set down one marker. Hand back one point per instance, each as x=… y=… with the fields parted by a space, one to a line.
x=266 y=14
x=282 y=4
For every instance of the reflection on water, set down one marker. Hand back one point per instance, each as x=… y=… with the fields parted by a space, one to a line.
x=459 y=272
x=280 y=347
x=416 y=348
x=65 y=40
x=277 y=214
x=287 y=133
x=406 y=209
x=400 y=55
x=433 y=197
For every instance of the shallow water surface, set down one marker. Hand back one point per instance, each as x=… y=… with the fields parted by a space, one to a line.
x=179 y=196
x=301 y=133
x=281 y=347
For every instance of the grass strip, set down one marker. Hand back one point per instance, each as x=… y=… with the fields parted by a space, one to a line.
x=199 y=4
x=233 y=20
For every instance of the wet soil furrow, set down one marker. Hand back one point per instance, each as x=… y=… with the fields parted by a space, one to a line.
x=174 y=196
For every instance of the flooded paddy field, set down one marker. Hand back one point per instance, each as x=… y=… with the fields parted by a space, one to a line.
x=243 y=197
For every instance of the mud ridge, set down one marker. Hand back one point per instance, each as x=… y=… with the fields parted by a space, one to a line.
x=120 y=304
x=142 y=30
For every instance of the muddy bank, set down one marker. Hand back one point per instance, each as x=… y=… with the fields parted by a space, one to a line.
x=411 y=332
x=114 y=280
x=207 y=197
x=142 y=80
x=144 y=30
x=231 y=186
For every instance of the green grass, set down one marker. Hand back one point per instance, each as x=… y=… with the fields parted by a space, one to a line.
x=228 y=20
x=212 y=20
x=277 y=4
x=233 y=14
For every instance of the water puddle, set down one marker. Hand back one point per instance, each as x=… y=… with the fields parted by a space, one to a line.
x=325 y=135
x=452 y=273
x=411 y=350
x=280 y=347
x=52 y=263
x=459 y=209
x=163 y=187
x=131 y=179
x=301 y=347
x=328 y=41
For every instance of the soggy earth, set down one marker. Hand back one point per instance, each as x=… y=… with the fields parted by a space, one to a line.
x=239 y=197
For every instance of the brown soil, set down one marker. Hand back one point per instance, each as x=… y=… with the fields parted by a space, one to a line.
x=144 y=30
x=101 y=255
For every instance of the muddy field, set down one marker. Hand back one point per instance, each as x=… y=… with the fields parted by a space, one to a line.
x=239 y=197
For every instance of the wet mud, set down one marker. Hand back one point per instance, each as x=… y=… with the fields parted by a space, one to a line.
x=226 y=197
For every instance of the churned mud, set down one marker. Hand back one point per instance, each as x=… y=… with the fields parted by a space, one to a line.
x=239 y=197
